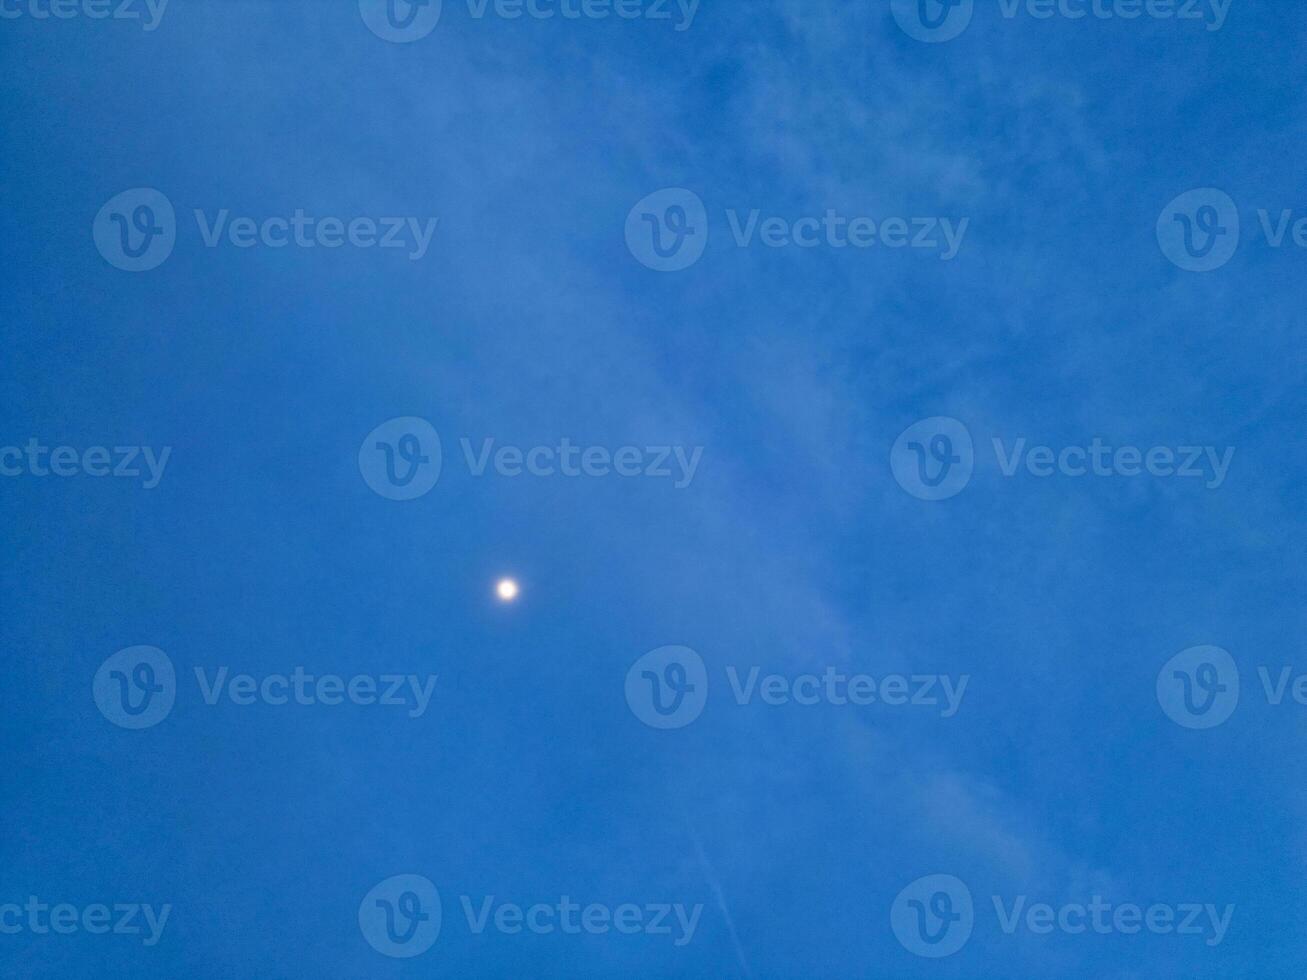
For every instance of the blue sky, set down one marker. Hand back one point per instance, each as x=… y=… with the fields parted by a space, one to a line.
x=529 y=319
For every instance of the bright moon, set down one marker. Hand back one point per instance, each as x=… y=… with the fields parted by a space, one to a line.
x=507 y=589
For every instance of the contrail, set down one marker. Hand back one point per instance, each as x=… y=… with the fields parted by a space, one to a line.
x=717 y=891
